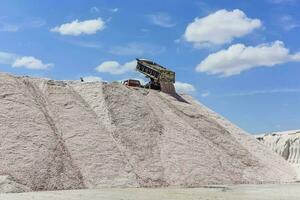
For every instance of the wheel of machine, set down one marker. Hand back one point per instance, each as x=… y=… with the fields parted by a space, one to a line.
x=155 y=86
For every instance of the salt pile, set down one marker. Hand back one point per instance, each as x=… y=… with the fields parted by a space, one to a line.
x=286 y=144
x=71 y=135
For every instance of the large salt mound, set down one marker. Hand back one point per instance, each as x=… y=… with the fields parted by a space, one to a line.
x=70 y=135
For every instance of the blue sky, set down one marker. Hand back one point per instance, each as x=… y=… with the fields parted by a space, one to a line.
x=240 y=58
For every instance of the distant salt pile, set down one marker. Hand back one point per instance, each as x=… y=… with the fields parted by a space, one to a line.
x=286 y=144
x=70 y=135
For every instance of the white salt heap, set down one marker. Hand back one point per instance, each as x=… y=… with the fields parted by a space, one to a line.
x=71 y=135
x=286 y=144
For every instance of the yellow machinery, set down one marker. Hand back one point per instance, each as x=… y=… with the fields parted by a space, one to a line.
x=160 y=77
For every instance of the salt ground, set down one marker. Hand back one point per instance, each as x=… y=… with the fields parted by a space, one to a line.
x=69 y=135
x=237 y=192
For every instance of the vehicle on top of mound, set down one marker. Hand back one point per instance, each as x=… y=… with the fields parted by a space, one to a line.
x=132 y=83
x=161 y=78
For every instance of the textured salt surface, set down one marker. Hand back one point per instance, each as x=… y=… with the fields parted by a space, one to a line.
x=9 y=185
x=72 y=135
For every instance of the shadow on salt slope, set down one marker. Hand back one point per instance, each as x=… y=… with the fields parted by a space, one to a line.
x=180 y=98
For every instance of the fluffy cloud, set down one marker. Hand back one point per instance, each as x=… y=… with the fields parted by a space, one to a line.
x=76 y=27
x=92 y=79
x=184 y=87
x=219 y=28
x=115 y=68
x=161 y=19
x=28 y=62
x=238 y=58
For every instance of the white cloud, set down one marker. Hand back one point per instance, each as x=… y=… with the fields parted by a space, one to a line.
x=184 y=87
x=92 y=79
x=219 y=28
x=162 y=20
x=76 y=27
x=238 y=58
x=115 y=68
x=28 y=62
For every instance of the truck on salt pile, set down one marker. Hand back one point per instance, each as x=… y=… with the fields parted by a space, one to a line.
x=160 y=77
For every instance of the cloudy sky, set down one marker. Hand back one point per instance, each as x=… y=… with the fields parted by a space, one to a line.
x=240 y=58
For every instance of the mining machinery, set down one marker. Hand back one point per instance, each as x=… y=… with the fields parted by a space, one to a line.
x=160 y=77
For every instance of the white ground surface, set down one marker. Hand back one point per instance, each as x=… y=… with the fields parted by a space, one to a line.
x=238 y=192
x=71 y=135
